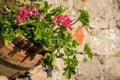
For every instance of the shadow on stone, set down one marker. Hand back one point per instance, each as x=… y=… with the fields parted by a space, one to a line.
x=24 y=76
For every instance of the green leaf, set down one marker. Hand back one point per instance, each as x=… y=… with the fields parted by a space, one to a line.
x=44 y=7
x=49 y=60
x=88 y=51
x=74 y=61
x=75 y=43
x=7 y=30
x=87 y=48
x=18 y=32
x=66 y=61
x=68 y=72
x=84 y=18
x=71 y=64
x=9 y=36
x=58 y=10
x=14 y=11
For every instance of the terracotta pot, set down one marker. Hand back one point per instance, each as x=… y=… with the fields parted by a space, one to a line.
x=18 y=57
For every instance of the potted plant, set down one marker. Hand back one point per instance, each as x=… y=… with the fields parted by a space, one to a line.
x=49 y=30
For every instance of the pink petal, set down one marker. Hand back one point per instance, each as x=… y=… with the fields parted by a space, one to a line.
x=27 y=7
x=30 y=14
x=25 y=15
x=22 y=11
x=35 y=10
x=19 y=20
x=41 y=16
x=68 y=27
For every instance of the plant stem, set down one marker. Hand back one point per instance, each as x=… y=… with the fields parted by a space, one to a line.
x=75 y=22
x=56 y=29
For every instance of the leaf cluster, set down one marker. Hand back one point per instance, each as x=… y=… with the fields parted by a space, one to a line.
x=71 y=64
x=44 y=33
x=84 y=18
x=88 y=52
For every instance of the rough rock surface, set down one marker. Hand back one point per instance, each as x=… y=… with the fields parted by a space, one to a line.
x=103 y=37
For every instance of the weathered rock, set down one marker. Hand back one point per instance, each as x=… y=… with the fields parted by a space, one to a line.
x=3 y=78
x=103 y=37
x=106 y=41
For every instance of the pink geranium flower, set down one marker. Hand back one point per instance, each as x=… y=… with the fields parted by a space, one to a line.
x=22 y=11
x=63 y=20
x=35 y=10
x=28 y=11
x=30 y=14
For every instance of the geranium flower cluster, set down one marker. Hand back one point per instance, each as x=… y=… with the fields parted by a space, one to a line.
x=63 y=20
x=26 y=12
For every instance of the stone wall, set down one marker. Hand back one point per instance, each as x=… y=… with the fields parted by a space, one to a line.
x=103 y=36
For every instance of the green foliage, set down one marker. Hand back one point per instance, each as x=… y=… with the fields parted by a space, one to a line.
x=7 y=29
x=18 y=32
x=44 y=7
x=88 y=51
x=44 y=33
x=84 y=18
x=49 y=60
x=71 y=64
x=58 y=10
